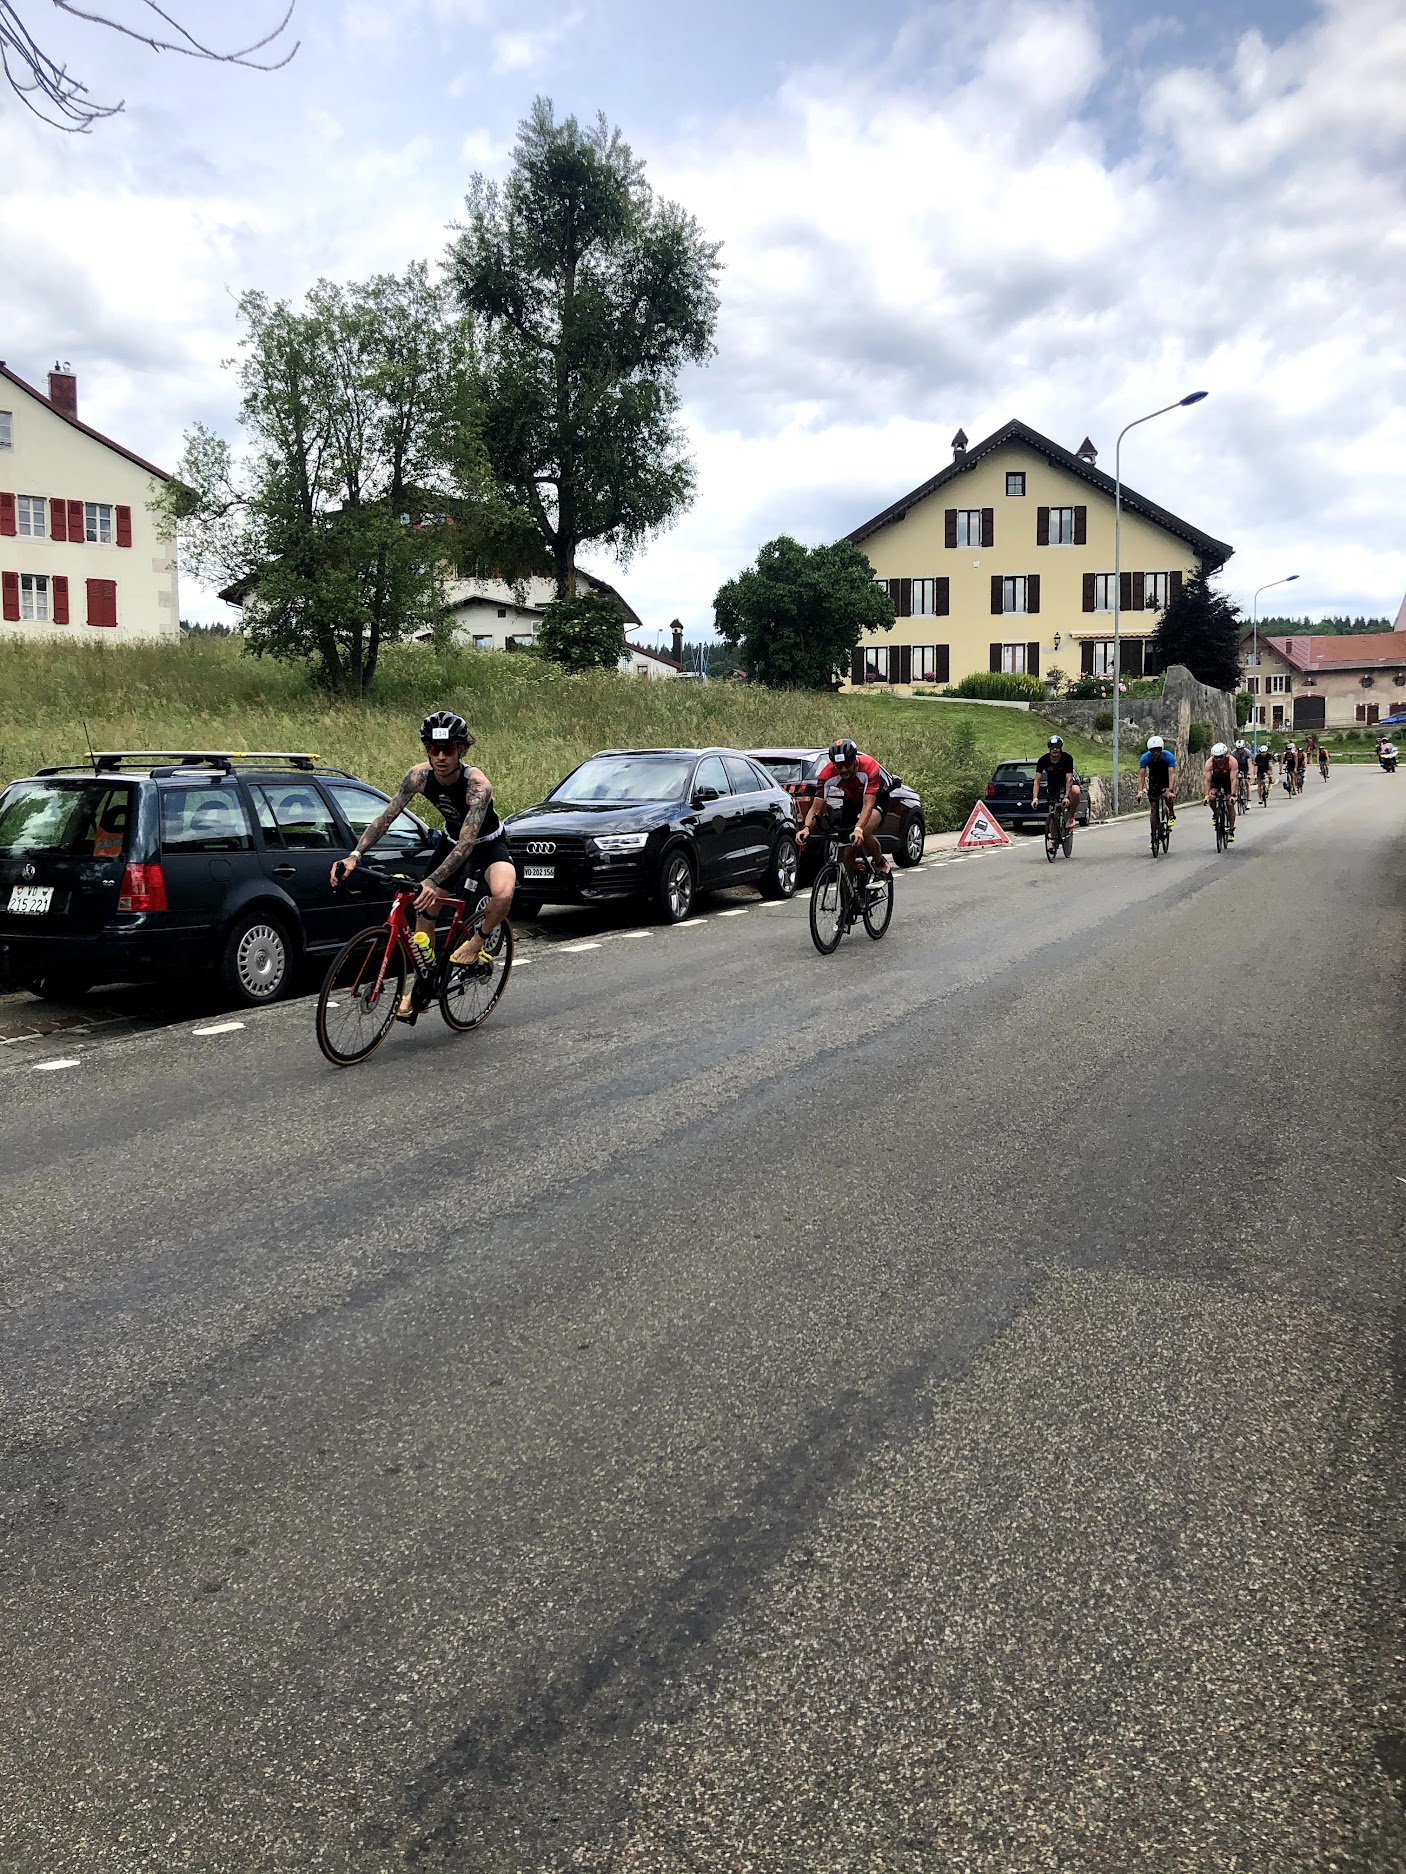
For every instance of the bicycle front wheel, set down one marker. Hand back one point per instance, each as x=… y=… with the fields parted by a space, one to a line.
x=827 y=909
x=878 y=906
x=360 y=996
x=470 y=992
x=1053 y=842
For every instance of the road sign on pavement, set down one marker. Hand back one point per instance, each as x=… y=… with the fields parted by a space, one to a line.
x=982 y=830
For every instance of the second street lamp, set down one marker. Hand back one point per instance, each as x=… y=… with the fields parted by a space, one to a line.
x=1287 y=580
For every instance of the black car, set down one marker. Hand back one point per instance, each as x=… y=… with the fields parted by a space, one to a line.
x=137 y=867
x=658 y=823
x=1008 y=795
x=903 y=830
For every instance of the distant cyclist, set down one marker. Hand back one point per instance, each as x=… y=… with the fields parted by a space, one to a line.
x=1057 y=768
x=1323 y=759
x=1264 y=763
x=1300 y=768
x=1157 y=775
x=463 y=799
x=1221 y=774
x=850 y=789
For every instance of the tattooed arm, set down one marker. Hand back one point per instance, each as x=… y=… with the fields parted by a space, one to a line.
x=476 y=799
x=413 y=784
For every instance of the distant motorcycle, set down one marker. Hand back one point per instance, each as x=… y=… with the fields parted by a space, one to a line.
x=1386 y=755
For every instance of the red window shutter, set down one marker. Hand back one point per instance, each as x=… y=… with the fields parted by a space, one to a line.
x=1088 y=592
x=1032 y=592
x=1139 y=603
x=1042 y=527
x=856 y=667
x=995 y=657
x=1032 y=658
x=1081 y=527
x=1125 y=592
x=7 y=514
x=998 y=603
x=949 y=527
x=1173 y=586
x=944 y=597
x=58 y=519
x=944 y=663
x=60 y=587
x=102 y=601
x=75 y=523
x=124 y=527
x=11 y=585
x=988 y=527
x=1086 y=654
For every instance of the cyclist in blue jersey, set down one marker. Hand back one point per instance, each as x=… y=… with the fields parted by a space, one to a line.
x=1157 y=774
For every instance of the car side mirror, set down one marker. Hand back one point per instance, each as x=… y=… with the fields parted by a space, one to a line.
x=701 y=795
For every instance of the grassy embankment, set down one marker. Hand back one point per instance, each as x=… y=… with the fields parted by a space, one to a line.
x=533 y=722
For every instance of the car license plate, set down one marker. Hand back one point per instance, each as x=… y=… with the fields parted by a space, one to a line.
x=539 y=871
x=30 y=900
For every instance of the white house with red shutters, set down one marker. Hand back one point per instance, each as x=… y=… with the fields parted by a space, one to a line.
x=78 y=547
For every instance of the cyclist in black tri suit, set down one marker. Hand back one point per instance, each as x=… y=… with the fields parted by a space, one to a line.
x=463 y=799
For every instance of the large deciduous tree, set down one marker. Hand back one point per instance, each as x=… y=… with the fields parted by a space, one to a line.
x=798 y=614
x=1201 y=629
x=361 y=483
x=590 y=297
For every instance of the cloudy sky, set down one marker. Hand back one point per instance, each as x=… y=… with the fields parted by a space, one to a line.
x=933 y=216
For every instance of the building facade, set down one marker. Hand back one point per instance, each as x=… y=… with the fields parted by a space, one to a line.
x=1304 y=683
x=504 y=615
x=79 y=550
x=1004 y=561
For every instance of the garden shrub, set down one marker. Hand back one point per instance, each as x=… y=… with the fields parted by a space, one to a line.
x=1001 y=686
x=1103 y=721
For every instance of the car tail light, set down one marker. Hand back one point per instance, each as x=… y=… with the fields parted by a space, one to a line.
x=142 y=889
x=990 y=790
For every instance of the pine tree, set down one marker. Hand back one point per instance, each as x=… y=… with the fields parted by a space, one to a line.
x=1200 y=628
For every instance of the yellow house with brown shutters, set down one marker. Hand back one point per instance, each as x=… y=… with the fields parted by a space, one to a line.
x=1004 y=561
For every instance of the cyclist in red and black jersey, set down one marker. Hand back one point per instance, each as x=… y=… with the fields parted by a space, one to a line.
x=1220 y=774
x=850 y=785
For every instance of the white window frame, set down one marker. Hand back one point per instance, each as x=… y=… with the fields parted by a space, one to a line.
x=1252 y=684
x=1155 y=591
x=97 y=523
x=1015 y=594
x=1261 y=715
x=28 y=509
x=968 y=522
x=924 y=598
x=1015 y=475
x=1103 y=658
x=876 y=663
x=1279 y=685
x=1105 y=586
x=35 y=596
x=1061 y=527
x=1013 y=658
x=483 y=641
x=7 y=429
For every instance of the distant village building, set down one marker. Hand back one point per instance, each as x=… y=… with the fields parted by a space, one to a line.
x=503 y=615
x=1004 y=561
x=78 y=548
x=1348 y=682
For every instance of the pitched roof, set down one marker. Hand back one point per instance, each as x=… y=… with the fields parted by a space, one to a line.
x=1362 y=650
x=643 y=650
x=1214 y=552
x=84 y=428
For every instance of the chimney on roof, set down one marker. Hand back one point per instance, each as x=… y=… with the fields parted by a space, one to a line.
x=63 y=390
x=959 y=445
x=1087 y=451
x=676 y=651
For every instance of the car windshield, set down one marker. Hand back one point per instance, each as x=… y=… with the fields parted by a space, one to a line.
x=788 y=769
x=1016 y=771
x=73 y=819
x=623 y=780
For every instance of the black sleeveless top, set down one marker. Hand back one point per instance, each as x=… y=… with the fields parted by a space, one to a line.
x=450 y=799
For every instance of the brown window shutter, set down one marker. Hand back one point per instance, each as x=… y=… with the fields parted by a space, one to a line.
x=1130 y=657
x=75 y=523
x=1081 y=527
x=1088 y=592
x=124 y=527
x=856 y=667
x=60 y=585
x=11 y=585
x=905 y=663
x=1139 y=593
x=904 y=608
x=995 y=657
x=997 y=598
x=1086 y=658
x=1042 y=527
x=58 y=519
x=1032 y=658
x=1125 y=592
x=8 y=524
x=988 y=527
x=943 y=597
x=944 y=663
x=102 y=601
x=1032 y=592
x=1173 y=586
x=949 y=527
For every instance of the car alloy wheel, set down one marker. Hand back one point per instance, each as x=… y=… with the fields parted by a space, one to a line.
x=261 y=961
x=676 y=886
x=914 y=840
x=782 y=870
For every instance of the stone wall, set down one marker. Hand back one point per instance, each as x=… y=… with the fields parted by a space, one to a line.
x=1170 y=715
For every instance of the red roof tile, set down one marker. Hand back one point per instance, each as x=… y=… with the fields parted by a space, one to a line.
x=1362 y=651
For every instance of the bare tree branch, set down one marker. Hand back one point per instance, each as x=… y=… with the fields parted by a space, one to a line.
x=59 y=99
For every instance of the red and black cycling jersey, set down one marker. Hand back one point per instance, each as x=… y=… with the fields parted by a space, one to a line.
x=1220 y=771
x=837 y=789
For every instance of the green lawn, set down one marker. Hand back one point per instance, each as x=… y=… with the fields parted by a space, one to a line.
x=533 y=722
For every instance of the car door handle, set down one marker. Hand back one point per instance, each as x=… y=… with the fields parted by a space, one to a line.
x=285 y=871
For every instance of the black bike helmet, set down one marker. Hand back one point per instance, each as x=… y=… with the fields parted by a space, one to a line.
x=843 y=751
x=1056 y=741
x=442 y=727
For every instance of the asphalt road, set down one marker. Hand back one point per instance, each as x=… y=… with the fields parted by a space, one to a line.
x=934 y=1408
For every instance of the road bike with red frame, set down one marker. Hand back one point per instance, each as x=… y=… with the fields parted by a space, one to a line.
x=362 y=993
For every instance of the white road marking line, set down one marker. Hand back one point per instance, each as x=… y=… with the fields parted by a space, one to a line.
x=634 y=933
x=50 y=1067
x=573 y=950
x=228 y=1028
x=11 y=1041
x=741 y=911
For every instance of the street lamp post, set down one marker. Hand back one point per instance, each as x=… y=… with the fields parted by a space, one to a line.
x=1181 y=403
x=1287 y=580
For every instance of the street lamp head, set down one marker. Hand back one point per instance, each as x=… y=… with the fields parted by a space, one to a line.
x=1195 y=397
x=1289 y=578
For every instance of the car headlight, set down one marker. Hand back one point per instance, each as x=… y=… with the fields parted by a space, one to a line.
x=621 y=842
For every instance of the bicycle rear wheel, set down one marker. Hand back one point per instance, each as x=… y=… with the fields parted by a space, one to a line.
x=1156 y=831
x=1053 y=841
x=1068 y=842
x=827 y=909
x=469 y=992
x=359 y=999
x=878 y=906
x=1218 y=812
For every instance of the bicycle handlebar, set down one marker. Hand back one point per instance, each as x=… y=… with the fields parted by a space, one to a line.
x=398 y=881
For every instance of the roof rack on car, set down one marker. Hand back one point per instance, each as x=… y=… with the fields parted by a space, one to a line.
x=107 y=760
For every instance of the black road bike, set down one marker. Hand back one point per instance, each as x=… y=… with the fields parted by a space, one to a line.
x=1161 y=826
x=1242 y=790
x=1262 y=783
x=1220 y=813
x=839 y=898
x=1059 y=838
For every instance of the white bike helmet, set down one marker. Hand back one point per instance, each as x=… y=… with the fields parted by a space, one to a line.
x=1219 y=749
x=1155 y=741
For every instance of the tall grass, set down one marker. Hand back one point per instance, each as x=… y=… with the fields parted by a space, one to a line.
x=533 y=722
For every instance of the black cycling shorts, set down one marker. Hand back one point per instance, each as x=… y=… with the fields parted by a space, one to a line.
x=489 y=852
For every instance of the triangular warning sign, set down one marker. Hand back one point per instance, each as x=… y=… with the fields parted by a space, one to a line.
x=982 y=830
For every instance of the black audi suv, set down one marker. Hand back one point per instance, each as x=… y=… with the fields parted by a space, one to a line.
x=658 y=823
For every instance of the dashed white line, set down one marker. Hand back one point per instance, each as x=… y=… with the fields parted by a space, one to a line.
x=574 y=950
x=228 y=1028
x=52 y=1067
x=740 y=911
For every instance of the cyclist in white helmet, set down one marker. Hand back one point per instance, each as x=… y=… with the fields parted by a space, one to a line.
x=1157 y=774
x=1222 y=771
